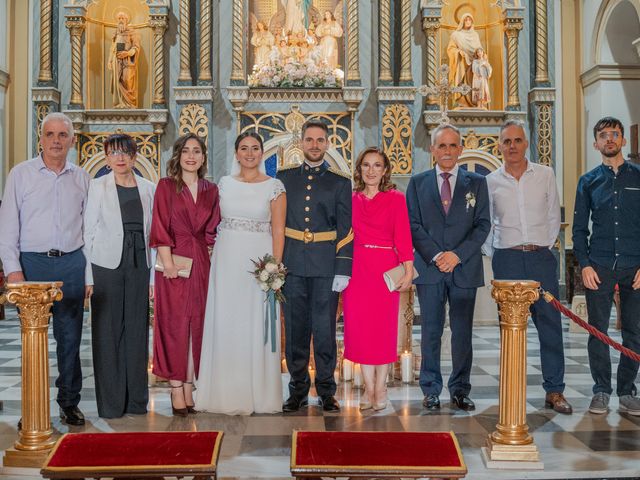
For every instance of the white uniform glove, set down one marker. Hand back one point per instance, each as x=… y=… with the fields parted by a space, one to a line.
x=340 y=282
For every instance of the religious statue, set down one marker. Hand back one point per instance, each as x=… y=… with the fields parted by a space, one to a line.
x=329 y=30
x=263 y=41
x=295 y=16
x=123 y=59
x=463 y=44
x=481 y=73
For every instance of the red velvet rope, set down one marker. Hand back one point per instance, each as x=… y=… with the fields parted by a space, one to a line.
x=589 y=328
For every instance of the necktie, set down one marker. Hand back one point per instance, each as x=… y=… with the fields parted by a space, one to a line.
x=445 y=193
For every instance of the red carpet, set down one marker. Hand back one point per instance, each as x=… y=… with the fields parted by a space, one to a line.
x=376 y=449
x=135 y=449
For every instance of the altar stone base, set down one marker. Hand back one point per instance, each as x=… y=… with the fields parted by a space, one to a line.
x=511 y=457
x=25 y=459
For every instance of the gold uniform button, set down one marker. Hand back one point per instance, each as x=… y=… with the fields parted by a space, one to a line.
x=310 y=177
x=306 y=209
x=308 y=187
x=306 y=168
x=317 y=169
x=306 y=219
x=307 y=198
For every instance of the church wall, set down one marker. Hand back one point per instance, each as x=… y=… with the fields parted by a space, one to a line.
x=4 y=72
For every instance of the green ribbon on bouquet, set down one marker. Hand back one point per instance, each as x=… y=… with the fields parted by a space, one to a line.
x=270 y=319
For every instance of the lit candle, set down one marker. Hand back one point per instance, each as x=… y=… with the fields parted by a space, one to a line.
x=357 y=376
x=347 y=370
x=406 y=364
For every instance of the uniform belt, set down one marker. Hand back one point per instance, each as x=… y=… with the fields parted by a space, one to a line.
x=310 y=237
x=527 y=247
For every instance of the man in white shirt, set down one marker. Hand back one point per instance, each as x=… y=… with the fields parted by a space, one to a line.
x=525 y=220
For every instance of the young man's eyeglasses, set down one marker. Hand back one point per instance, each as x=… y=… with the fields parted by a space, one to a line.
x=608 y=135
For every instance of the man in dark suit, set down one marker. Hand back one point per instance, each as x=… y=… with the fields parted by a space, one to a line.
x=449 y=214
x=317 y=254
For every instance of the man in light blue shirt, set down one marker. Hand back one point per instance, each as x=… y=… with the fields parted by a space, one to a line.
x=41 y=240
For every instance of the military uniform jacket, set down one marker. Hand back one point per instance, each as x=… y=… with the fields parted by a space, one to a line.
x=318 y=200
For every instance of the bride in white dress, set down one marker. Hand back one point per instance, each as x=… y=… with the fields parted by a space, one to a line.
x=239 y=372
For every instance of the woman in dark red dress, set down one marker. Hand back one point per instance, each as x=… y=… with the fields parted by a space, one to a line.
x=186 y=213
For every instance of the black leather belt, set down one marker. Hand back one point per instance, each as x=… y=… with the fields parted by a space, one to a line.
x=54 y=253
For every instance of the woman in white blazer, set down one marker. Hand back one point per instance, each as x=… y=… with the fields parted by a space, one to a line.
x=116 y=244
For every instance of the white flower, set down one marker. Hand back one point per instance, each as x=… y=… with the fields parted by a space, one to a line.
x=264 y=276
x=271 y=267
x=471 y=200
x=277 y=283
x=264 y=287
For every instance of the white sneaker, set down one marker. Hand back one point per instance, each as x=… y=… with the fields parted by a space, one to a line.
x=600 y=403
x=630 y=404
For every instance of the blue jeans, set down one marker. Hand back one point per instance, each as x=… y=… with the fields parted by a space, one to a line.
x=599 y=309
x=541 y=266
x=67 y=315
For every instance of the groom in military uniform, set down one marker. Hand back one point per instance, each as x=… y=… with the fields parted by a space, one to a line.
x=317 y=254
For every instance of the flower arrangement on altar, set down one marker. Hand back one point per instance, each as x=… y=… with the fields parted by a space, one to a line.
x=296 y=74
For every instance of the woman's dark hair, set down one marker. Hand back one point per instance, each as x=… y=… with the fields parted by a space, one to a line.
x=385 y=181
x=174 y=170
x=607 y=122
x=244 y=135
x=122 y=142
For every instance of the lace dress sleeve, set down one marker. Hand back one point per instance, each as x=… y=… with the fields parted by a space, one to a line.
x=278 y=189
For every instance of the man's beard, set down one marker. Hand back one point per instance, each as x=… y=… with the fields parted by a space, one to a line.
x=308 y=157
x=610 y=153
x=122 y=28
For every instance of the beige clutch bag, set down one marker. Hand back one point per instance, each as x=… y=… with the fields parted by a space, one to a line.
x=177 y=260
x=393 y=276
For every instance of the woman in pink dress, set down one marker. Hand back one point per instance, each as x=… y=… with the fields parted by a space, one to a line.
x=382 y=240
x=186 y=213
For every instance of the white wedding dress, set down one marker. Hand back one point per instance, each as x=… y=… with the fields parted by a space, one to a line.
x=239 y=374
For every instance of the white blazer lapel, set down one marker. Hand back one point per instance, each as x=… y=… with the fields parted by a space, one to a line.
x=112 y=213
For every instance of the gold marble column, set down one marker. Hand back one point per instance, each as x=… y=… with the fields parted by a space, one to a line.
x=158 y=24
x=542 y=60
x=204 y=73
x=512 y=30
x=511 y=440
x=45 y=74
x=405 y=43
x=237 y=62
x=353 y=37
x=385 y=42
x=185 y=47
x=75 y=24
x=430 y=26
x=34 y=301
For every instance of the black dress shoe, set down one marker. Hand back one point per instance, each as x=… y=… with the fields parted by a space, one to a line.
x=431 y=402
x=72 y=416
x=329 y=403
x=293 y=404
x=463 y=402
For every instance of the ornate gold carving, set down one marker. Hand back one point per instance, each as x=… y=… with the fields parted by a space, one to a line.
x=542 y=61
x=409 y=317
x=353 y=52
x=193 y=119
x=237 y=61
x=486 y=142
x=397 y=137
x=385 y=41
x=34 y=301
x=543 y=144
x=158 y=24
x=42 y=110
x=405 y=42
x=185 y=48
x=514 y=299
x=512 y=30
x=76 y=29
x=430 y=26
x=45 y=41
x=205 y=41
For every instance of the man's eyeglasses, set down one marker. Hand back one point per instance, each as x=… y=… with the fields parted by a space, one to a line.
x=117 y=153
x=608 y=135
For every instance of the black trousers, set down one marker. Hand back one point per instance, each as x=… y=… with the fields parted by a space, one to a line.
x=310 y=310
x=120 y=333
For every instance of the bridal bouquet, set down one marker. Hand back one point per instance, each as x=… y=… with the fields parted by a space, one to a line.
x=270 y=276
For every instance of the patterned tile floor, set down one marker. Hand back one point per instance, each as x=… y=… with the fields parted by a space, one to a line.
x=581 y=445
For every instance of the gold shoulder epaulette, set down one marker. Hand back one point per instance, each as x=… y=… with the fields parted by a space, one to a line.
x=288 y=167
x=339 y=172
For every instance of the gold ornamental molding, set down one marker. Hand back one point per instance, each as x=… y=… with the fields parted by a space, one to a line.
x=396 y=94
x=185 y=48
x=405 y=42
x=385 y=42
x=45 y=74
x=431 y=26
x=295 y=95
x=193 y=119
x=512 y=28
x=45 y=94
x=397 y=138
x=76 y=25
x=237 y=56
x=34 y=301
x=42 y=110
x=542 y=57
x=353 y=36
x=511 y=441
x=158 y=24
x=193 y=93
x=204 y=73
x=473 y=118
x=544 y=133
x=155 y=117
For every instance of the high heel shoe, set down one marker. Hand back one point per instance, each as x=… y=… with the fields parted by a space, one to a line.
x=178 y=412
x=190 y=408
